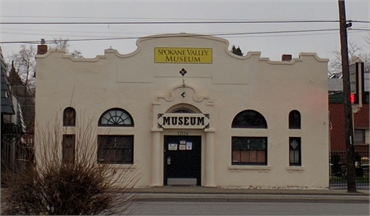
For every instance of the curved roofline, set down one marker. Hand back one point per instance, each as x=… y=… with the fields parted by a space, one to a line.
x=225 y=42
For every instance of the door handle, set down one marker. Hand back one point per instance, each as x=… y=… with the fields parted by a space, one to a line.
x=169 y=161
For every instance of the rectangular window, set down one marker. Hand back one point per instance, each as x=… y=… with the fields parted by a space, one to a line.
x=68 y=148
x=359 y=136
x=294 y=151
x=249 y=150
x=115 y=149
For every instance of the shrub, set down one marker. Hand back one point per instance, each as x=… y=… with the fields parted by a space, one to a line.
x=81 y=187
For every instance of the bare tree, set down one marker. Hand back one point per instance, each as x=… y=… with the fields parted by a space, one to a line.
x=22 y=80
x=25 y=63
x=76 y=54
x=354 y=52
x=22 y=77
x=80 y=186
x=236 y=51
x=61 y=43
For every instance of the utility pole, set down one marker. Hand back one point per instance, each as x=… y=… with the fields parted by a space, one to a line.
x=350 y=149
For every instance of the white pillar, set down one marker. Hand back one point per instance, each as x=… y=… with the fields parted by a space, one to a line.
x=210 y=159
x=156 y=158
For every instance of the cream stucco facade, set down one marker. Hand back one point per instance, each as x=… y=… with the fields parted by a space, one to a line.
x=216 y=90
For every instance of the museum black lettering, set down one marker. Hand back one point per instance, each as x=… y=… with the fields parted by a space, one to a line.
x=174 y=120
x=180 y=121
x=186 y=119
x=192 y=120
x=183 y=120
x=200 y=120
x=166 y=120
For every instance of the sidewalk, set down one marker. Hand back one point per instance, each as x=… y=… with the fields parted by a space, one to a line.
x=209 y=194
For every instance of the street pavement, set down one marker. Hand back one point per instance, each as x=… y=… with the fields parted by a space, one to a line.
x=214 y=194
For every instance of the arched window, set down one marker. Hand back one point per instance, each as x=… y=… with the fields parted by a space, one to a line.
x=116 y=149
x=183 y=110
x=69 y=117
x=116 y=117
x=249 y=119
x=294 y=120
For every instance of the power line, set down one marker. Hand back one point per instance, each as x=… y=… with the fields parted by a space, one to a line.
x=85 y=34
x=170 y=22
x=93 y=34
x=358 y=21
x=127 y=18
x=183 y=35
x=177 y=18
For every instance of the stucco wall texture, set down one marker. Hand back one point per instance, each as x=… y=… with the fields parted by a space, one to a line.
x=223 y=88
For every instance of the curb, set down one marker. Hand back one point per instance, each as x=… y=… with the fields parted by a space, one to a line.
x=172 y=197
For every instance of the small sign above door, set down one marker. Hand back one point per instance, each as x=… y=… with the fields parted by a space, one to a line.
x=183 y=121
x=172 y=146
x=189 y=145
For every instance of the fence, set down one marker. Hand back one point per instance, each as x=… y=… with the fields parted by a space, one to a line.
x=17 y=151
x=338 y=168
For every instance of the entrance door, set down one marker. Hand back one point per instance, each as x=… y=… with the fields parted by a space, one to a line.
x=182 y=160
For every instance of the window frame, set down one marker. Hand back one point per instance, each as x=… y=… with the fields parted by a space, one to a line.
x=115 y=121
x=240 y=162
x=356 y=137
x=295 y=122
x=298 y=149
x=102 y=157
x=243 y=120
x=69 y=117
x=64 y=149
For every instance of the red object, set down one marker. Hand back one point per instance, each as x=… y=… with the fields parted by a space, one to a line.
x=352 y=98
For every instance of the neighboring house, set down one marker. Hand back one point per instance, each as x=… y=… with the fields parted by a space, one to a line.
x=25 y=95
x=12 y=124
x=360 y=117
x=338 y=153
x=183 y=109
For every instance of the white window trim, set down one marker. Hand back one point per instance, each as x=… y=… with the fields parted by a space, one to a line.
x=259 y=168
x=295 y=169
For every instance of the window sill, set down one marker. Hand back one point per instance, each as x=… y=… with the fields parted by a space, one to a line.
x=121 y=166
x=295 y=169
x=259 y=168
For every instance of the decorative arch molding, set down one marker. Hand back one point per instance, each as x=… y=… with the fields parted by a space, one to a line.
x=182 y=97
x=164 y=106
x=185 y=92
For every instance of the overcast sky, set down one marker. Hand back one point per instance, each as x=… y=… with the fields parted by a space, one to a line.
x=272 y=45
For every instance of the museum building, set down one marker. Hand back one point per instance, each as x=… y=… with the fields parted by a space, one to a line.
x=184 y=110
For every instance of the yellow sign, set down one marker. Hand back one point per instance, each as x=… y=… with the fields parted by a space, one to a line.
x=183 y=55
